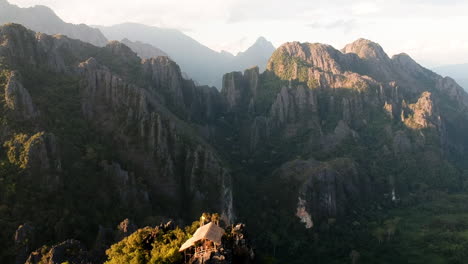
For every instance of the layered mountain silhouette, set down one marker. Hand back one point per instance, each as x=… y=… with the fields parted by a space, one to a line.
x=189 y=53
x=146 y=41
x=143 y=50
x=43 y=19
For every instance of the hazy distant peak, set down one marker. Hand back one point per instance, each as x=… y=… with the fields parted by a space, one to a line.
x=43 y=19
x=366 y=49
x=226 y=53
x=144 y=50
x=263 y=43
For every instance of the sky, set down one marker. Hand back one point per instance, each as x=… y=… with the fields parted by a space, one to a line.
x=434 y=32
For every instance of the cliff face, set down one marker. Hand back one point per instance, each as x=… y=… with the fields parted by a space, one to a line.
x=316 y=102
x=17 y=98
x=69 y=108
x=326 y=189
x=159 y=144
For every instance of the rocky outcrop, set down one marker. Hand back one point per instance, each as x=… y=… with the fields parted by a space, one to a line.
x=21 y=48
x=320 y=66
x=367 y=50
x=293 y=105
x=326 y=189
x=125 y=228
x=240 y=89
x=32 y=152
x=423 y=113
x=182 y=97
x=235 y=248
x=71 y=251
x=18 y=99
x=341 y=132
x=130 y=193
x=39 y=156
x=448 y=86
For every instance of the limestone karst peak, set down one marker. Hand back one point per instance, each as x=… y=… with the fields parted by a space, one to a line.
x=118 y=48
x=366 y=49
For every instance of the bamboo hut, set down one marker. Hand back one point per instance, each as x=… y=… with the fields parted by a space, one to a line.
x=206 y=239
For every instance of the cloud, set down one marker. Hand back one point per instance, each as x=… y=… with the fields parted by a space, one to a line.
x=346 y=25
x=365 y=8
x=274 y=10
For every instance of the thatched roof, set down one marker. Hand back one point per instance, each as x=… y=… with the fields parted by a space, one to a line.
x=209 y=231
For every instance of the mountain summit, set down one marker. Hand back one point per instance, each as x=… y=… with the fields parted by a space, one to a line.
x=260 y=51
x=262 y=45
x=366 y=49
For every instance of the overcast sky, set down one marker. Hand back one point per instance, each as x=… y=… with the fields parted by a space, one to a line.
x=434 y=32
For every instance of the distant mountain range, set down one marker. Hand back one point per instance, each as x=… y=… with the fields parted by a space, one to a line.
x=190 y=54
x=459 y=72
x=145 y=51
x=146 y=41
x=43 y=19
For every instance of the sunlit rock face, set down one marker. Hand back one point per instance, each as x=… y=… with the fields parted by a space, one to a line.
x=315 y=102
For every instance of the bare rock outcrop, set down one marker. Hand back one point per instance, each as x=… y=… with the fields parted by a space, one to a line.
x=18 y=99
x=326 y=189
x=423 y=113
x=240 y=88
x=71 y=251
x=367 y=50
x=124 y=229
